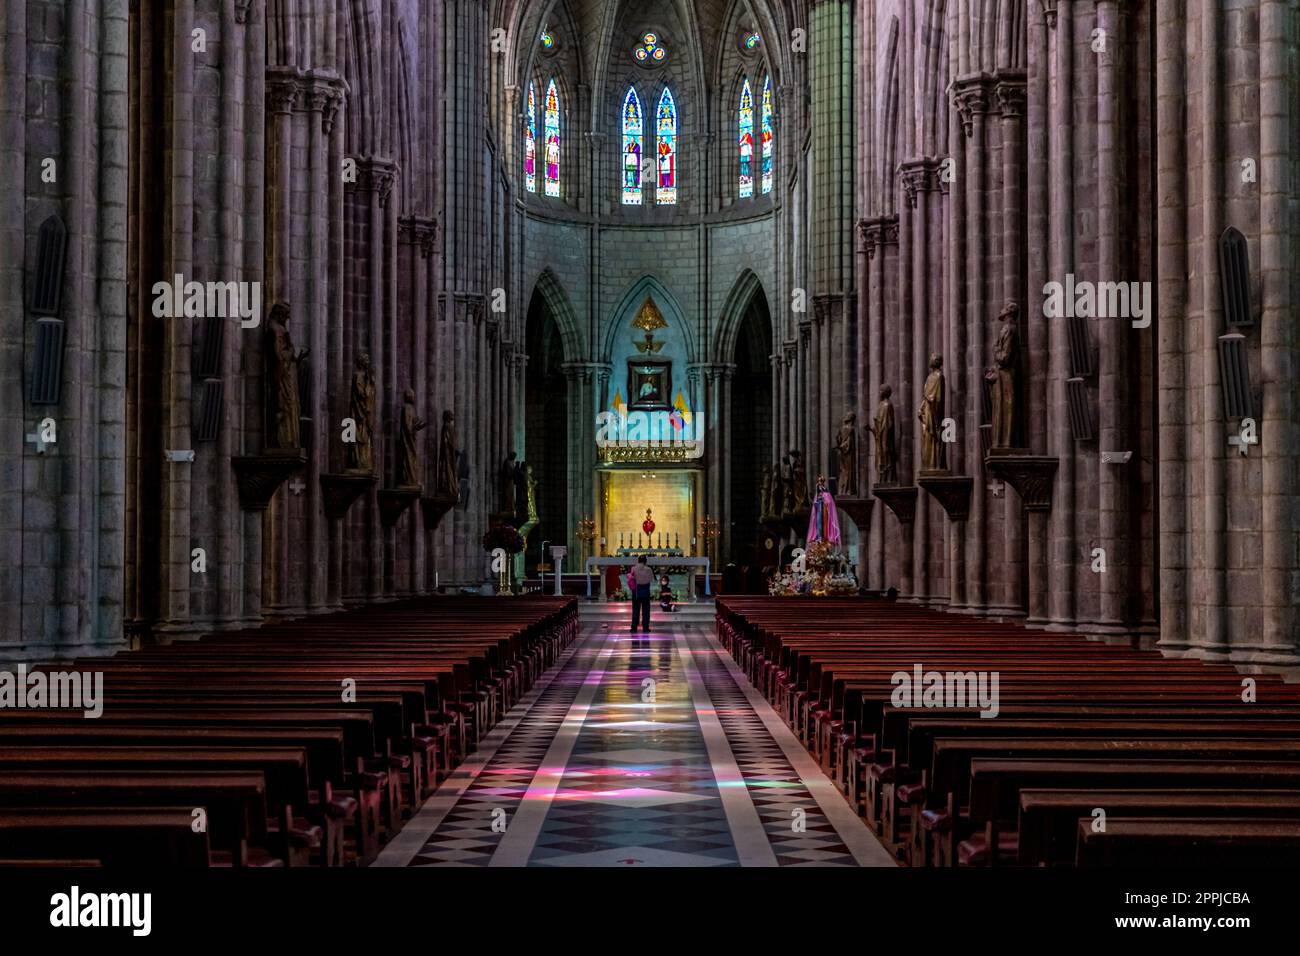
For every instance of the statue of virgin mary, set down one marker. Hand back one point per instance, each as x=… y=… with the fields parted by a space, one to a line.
x=823 y=523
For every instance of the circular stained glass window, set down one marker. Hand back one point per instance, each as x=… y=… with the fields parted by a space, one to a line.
x=650 y=50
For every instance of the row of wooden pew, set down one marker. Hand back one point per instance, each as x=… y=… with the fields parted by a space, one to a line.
x=301 y=743
x=1098 y=754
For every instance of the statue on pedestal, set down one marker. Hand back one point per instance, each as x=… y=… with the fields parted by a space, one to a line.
x=282 y=388
x=799 y=482
x=776 y=501
x=521 y=491
x=846 y=445
x=823 y=522
x=1002 y=374
x=448 y=484
x=506 y=481
x=930 y=414
x=765 y=490
x=882 y=430
x=361 y=409
x=531 y=484
x=408 y=464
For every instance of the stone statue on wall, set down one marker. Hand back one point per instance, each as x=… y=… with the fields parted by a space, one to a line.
x=765 y=490
x=776 y=499
x=882 y=430
x=1006 y=356
x=799 y=483
x=506 y=480
x=787 y=488
x=361 y=409
x=283 y=393
x=846 y=446
x=408 y=464
x=930 y=414
x=520 y=479
x=448 y=484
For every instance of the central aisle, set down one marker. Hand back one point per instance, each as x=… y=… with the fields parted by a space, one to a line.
x=638 y=750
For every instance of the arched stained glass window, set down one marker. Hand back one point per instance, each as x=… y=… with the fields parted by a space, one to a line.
x=552 y=140
x=530 y=142
x=769 y=160
x=746 y=142
x=666 y=186
x=633 y=130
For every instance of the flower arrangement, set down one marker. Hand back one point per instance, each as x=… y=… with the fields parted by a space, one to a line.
x=504 y=537
x=790 y=585
x=823 y=558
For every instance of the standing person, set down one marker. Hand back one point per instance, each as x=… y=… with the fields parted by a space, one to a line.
x=642 y=577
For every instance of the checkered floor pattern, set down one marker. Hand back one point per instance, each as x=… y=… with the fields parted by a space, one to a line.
x=633 y=783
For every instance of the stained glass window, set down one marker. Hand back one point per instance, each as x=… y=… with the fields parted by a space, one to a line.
x=769 y=171
x=666 y=187
x=752 y=41
x=530 y=142
x=746 y=142
x=548 y=40
x=633 y=129
x=552 y=140
x=650 y=50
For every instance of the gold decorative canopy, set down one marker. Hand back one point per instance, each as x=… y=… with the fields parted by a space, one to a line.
x=649 y=317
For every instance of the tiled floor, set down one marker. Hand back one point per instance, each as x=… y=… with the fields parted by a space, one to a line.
x=639 y=750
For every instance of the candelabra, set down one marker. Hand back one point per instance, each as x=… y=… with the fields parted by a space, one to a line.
x=710 y=531
x=586 y=534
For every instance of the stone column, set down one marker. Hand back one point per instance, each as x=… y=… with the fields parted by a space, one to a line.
x=1279 y=342
x=1039 y=576
x=1065 y=558
x=1114 y=332
x=174 y=579
x=1171 y=333
x=971 y=100
x=1010 y=90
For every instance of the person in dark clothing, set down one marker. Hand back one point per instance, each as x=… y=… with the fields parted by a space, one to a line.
x=642 y=577
x=665 y=594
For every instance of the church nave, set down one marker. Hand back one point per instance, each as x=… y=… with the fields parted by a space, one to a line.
x=639 y=749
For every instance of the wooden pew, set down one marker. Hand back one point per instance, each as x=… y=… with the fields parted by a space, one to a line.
x=1175 y=841
x=1047 y=834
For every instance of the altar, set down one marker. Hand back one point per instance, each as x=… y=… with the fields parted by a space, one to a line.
x=657 y=562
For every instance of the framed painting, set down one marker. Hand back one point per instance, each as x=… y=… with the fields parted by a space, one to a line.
x=649 y=385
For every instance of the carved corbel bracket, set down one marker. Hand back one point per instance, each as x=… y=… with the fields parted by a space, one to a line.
x=951 y=491
x=1033 y=476
x=258 y=477
x=900 y=499
x=340 y=492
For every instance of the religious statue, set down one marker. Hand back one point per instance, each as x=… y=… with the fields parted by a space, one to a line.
x=507 y=480
x=1006 y=356
x=930 y=414
x=448 y=484
x=765 y=490
x=521 y=492
x=799 y=482
x=787 y=488
x=531 y=484
x=408 y=464
x=882 y=430
x=775 y=505
x=823 y=522
x=361 y=408
x=846 y=445
x=282 y=388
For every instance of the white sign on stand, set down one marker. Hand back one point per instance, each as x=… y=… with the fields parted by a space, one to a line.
x=557 y=558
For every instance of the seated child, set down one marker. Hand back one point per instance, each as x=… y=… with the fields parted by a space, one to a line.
x=665 y=594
